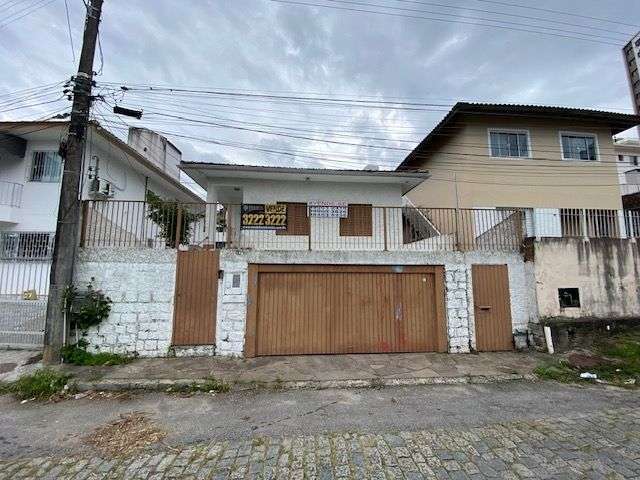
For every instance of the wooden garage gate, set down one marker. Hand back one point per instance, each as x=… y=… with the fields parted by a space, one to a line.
x=313 y=309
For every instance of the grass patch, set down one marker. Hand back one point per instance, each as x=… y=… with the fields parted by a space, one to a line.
x=78 y=355
x=210 y=385
x=41 y=385
x=559 y=371
x=619 y=362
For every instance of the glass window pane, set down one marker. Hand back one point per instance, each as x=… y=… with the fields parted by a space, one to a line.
x=579 y=147
x=505 y=144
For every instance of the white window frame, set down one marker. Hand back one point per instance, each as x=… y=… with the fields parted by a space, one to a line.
x=561 y=133
x=510 y=130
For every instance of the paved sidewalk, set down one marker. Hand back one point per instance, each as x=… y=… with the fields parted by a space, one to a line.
x=604 y=445
x=314 y=370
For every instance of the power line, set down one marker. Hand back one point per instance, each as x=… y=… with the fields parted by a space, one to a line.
x=73 y=50
x=515 y=15
x=501 y=22
x=422 y=17
x=36 y=6
x=548 y=10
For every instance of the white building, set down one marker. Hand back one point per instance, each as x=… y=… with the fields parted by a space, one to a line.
x=628 y=151
x=30 y=180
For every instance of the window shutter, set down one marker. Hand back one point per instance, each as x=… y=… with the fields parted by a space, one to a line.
x=297 y=220
x=358 y=223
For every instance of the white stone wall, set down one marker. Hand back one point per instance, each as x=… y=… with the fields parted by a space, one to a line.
x=459 y=328
x=141 y=283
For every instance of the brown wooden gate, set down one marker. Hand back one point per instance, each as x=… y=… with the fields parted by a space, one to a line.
x=312 y=309
x=492 y=304
x=194 y=313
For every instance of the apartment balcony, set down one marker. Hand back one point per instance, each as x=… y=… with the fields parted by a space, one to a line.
x=10 y=202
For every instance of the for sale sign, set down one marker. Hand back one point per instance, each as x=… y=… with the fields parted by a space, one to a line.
x=264 y=217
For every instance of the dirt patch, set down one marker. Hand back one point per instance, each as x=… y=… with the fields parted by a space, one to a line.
x=34 y=359
x=585 y=360
x=130 y=434
x=7 y=367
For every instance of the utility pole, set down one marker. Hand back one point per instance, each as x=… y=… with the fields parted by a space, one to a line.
x=66 y=238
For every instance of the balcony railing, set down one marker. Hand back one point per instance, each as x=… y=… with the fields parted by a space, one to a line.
x=10 y=194
x=216 y=225
x=354 y=227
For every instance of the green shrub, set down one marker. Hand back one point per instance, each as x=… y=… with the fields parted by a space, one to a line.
x=41 y=385
x=78 y=355
x=559 y=371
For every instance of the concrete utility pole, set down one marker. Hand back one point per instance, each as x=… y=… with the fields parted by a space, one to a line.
x=69 y=207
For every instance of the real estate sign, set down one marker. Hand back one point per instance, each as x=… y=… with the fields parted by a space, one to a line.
x=263 y=217
x=328 y=209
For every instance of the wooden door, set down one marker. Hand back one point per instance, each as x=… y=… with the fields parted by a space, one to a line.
x=313 y=309
x=196 y=297
x=492 y=306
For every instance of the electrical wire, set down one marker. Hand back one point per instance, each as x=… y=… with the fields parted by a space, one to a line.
x=434 y=19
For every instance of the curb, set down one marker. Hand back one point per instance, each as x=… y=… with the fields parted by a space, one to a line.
x=162 y=385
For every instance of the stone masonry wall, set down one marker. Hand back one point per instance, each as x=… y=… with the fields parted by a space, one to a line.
x=140 y=282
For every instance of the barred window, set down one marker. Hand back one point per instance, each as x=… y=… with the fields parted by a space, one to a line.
x=46 y=167
x=31 y=245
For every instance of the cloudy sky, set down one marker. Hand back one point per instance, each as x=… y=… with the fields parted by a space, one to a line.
x=419 y=53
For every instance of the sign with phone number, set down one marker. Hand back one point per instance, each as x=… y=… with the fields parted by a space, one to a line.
x=264 y=217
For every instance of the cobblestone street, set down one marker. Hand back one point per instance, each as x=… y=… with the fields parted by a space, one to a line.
x=604 y=445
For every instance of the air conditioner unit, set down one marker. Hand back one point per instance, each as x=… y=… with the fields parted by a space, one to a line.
x=101 y=189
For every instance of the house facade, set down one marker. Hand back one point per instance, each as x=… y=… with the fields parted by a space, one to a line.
x=555 y=162
x=303 y=261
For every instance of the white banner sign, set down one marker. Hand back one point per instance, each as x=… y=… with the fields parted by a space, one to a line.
x=328 y=209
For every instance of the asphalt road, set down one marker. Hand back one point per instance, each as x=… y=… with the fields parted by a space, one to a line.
x=32 y=429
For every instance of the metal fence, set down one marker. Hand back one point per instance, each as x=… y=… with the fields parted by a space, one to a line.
x=353 y=227
x=10 y=194
x=25 y=266
x=583 y=223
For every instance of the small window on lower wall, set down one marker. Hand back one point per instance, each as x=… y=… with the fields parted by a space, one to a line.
x=569 y=297
x=359 y=222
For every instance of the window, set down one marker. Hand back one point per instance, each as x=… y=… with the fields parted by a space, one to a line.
x=358 y=222
x=509 y=144
x=297 y=220
x=46 y=167
x=26 y=245
x=579 y=147
x=569 y=297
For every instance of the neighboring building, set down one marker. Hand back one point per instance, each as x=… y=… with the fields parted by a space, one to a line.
x=30 y=179
x=631 y=55
x=555 y=162
x=628 y=151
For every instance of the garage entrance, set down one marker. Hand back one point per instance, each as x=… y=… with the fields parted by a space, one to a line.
x=332 y=309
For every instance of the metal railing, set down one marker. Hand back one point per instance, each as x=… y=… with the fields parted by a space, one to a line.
x=10 y=194
x=25 y=262
x=217 y=225
x=583 y=223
